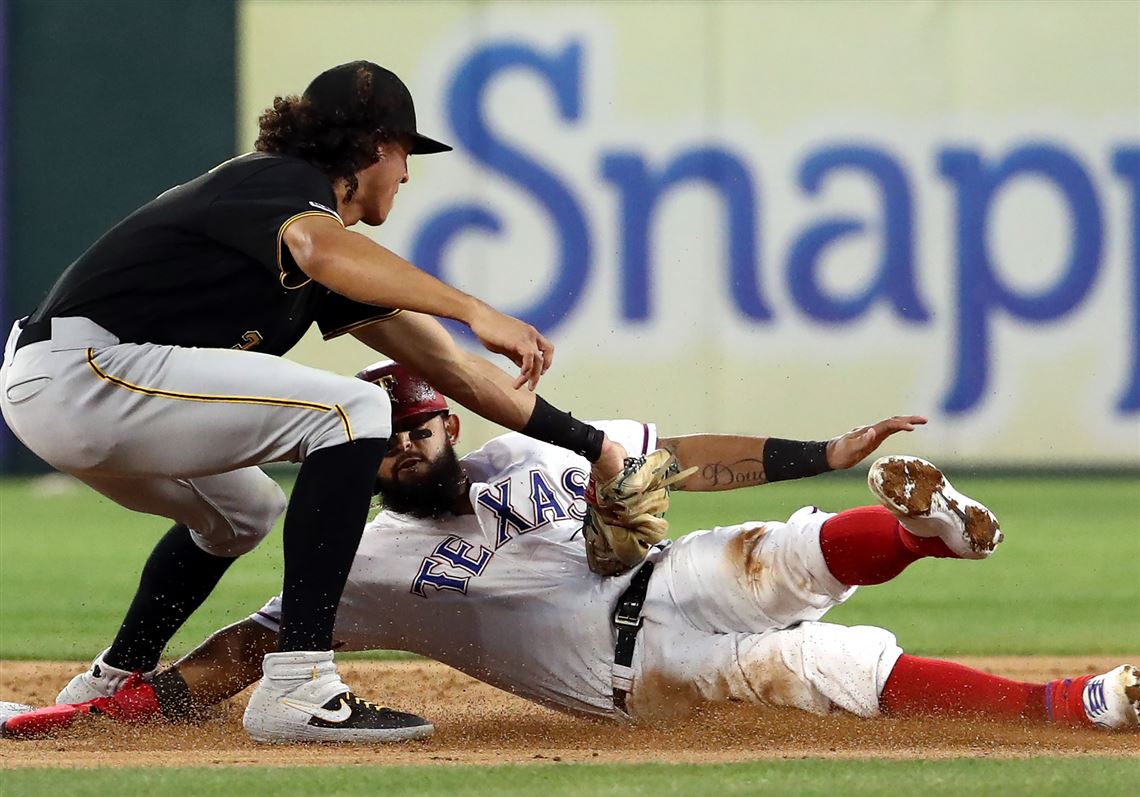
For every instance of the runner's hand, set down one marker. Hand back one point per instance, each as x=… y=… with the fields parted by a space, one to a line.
x=850 y=449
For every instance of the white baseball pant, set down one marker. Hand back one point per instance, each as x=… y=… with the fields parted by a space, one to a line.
x=733 y=614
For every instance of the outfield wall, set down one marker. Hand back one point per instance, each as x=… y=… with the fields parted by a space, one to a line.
x=6 y=440
x=787 y=218
x=109 y=104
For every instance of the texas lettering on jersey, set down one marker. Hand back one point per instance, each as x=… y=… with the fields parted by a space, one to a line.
x=454 y=562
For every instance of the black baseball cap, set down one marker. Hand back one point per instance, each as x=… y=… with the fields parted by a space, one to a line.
x=389 y=103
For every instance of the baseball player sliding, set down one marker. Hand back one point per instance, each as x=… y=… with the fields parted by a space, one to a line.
x=480 y=563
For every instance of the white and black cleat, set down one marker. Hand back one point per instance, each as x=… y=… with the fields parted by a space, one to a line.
x=349 y=718
x=302 y=699
x=928 y=506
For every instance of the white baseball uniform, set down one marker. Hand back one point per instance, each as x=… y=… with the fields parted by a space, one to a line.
x=505 y=595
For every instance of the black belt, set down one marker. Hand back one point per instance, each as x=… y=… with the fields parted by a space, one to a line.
x=33 y=332
x=627 y=619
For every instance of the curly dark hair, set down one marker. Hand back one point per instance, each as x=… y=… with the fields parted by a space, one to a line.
x=340 y=143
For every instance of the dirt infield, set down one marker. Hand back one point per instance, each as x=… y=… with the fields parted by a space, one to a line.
x=476 y=724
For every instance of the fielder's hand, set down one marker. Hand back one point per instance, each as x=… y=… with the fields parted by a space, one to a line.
x=852 y=448
x=522 y=343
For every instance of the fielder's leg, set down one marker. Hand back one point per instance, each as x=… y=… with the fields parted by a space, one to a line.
x=111 y=410
x=219 y=518
x=333 y=490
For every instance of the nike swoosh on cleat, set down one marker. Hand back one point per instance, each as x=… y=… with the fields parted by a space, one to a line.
x=340 y=715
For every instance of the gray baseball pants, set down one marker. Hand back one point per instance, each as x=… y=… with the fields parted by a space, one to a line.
x=178 y=432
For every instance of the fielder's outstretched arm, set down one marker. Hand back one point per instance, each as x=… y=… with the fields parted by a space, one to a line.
x=422 y=344
x=360 y=269
x=726 y=462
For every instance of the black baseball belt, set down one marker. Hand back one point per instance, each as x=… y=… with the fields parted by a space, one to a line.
x=627 y=620
x=33 y=332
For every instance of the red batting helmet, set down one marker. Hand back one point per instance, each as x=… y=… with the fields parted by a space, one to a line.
x=413 y=399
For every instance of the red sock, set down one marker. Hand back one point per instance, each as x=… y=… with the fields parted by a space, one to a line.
x=919 y=686
x=869 y=546
x=1064 y=701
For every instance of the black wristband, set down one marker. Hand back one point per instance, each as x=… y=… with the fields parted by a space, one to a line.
x=793 y=459
x=173 y=695
x=560 y=428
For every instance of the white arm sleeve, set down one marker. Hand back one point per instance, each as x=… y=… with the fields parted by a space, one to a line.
x=638 y=438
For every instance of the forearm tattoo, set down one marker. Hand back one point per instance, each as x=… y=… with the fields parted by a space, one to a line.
x=742 y=473
x=712 y=475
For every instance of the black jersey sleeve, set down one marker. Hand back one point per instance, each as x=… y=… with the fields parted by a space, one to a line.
x=338 y=315
x=252 y=215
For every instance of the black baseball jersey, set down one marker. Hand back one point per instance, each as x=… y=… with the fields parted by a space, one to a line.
x=204 y=265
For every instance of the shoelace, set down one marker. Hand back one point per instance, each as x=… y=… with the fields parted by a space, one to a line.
x=366 y=703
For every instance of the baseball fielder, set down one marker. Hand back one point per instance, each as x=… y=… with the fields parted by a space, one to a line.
x=151 y=372
x=480 y=564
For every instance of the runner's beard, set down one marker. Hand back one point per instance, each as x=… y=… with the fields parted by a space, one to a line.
x=430 y=495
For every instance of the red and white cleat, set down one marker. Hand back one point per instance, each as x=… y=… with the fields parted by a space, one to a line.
x=134 y=702
x=927 y=506
x=40 y=722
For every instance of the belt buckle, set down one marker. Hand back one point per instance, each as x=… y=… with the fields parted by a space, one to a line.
x=626 y=619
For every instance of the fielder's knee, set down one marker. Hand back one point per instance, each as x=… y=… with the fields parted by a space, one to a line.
x=240 y=531
x=363 y=411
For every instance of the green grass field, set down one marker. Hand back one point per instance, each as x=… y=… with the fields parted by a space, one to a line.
x=810 y=778
x=1066 y=581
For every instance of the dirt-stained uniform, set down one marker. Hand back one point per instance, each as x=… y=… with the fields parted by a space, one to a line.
x=505 y=595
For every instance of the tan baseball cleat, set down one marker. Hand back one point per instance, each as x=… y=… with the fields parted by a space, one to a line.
x=927 y=506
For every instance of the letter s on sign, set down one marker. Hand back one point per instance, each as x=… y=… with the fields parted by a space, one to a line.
x=473 y=78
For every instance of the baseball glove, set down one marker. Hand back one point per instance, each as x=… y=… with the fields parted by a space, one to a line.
x=625 y=516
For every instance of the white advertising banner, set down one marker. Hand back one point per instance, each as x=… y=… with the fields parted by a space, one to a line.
x=775 y=218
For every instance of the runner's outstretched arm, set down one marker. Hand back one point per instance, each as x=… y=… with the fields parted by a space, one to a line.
x=726 y=462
